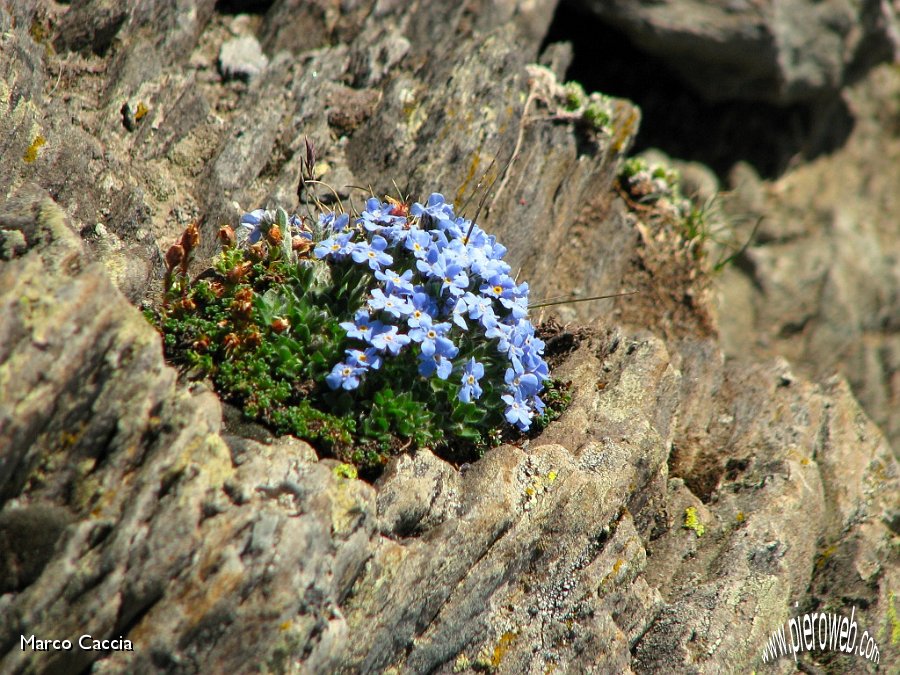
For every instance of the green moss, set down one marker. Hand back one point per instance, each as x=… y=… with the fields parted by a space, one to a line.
x=895 y=622
x=345 y=471
x=556 y=397
x=692 y=521
x=575 y=97
x=461 y=664
x=597 y=116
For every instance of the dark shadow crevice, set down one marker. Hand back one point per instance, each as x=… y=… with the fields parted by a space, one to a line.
x=680 y=122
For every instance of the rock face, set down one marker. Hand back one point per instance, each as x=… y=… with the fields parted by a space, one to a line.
x=682 y=508
x=774 y=50
x=819 y=284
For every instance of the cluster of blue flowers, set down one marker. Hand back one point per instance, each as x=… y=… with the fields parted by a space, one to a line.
x=441 y=289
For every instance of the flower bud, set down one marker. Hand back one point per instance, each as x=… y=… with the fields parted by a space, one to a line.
x=273 y=236
x=188 y=305
x=201 y=344
x=280 y=324
x=227 y=237
x=191 y=238
x=258 y=251
x=301 y=245
x=231 y=341
x=174 y=256
x=244 y=295
x=237 y=273
x=243 y=303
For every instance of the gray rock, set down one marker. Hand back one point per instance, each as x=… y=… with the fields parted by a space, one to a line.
x=783 y=52
x=242 y=58
x=819 y=284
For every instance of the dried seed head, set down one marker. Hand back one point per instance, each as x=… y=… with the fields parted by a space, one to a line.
x=280 y=324
x=191 y=238
x=253 y=339
x=174 y=256
x=398 y=208
x=231 y=341
x=258 y=251
x=227 y=237
x=201 y=344
x=244 y=295
x=237 y=273
x=243 y=303
x=273 y=236
x=301 y=245
x=188 y=305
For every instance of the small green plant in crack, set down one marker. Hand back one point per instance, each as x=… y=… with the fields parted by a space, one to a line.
x=655 y=189
x=594 y=110
x=399 y=327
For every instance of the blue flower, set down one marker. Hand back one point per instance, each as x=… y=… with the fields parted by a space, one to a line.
x=459 y=308
x=435 y=364
x=486 y=267
x=518 y=307
x=388 y=339
x=435 y=208
x=431 y=338
x=372 y=253
x=364 y=359
x=251 y=226
x=480 y=308
x=432 y=265
x=499 y=286
x=454 y=228
x=377 y=216
x=535 y=364
x=518 y=411
x=333 y=222
x=419 y=242
x=470 y=389
x=502 y=332
x=454 y=279
x=525 y=384
x=345 y=376
x=337 y=247
x=424 y=308
x=362 y=326
x=392 y=304
x=399 y=284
